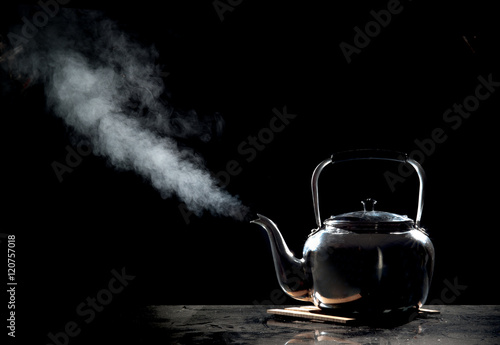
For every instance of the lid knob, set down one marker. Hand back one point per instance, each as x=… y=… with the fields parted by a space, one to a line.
x=370 y=203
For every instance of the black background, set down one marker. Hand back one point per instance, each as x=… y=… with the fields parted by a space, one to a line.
x=71 y=234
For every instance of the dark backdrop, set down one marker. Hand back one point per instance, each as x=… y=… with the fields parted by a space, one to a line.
x=256 y=58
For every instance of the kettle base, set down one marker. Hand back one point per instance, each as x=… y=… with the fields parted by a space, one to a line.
x=365 y=310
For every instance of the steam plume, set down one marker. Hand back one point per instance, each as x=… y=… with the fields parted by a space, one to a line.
x=107 y=88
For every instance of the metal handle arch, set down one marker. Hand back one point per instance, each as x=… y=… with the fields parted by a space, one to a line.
x=368 y=155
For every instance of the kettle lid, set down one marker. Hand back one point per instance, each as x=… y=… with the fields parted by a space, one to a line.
x=370 y=220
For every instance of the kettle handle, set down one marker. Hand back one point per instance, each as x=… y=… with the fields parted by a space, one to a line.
x=368 y=154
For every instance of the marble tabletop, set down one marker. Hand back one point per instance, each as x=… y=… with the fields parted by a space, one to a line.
x=249 y=324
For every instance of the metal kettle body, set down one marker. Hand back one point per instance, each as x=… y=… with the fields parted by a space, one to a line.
x=369 y=271
x=362 y=261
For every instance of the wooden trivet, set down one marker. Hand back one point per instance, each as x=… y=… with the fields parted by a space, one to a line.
x=310 y=313
x=316 y=314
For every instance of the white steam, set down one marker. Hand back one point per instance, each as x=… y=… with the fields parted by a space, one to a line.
x=107 y=88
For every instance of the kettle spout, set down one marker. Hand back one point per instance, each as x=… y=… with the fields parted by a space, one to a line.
x=291 y=272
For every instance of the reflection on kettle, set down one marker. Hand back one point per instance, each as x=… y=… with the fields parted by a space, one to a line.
x=363 y=261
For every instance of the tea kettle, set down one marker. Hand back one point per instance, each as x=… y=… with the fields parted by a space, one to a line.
x=361 y=261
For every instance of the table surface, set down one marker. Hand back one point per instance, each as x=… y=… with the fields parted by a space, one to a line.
x=248 y=324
